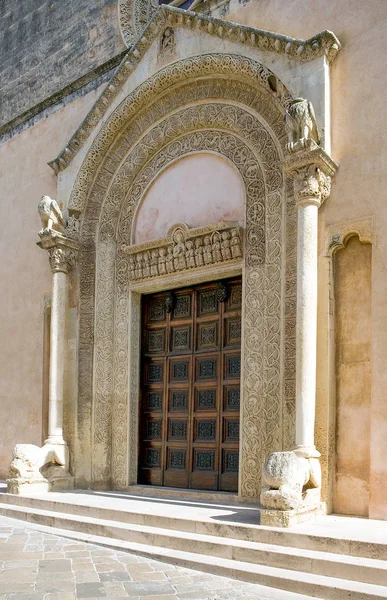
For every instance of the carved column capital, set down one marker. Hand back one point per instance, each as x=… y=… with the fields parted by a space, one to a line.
x=61 y=260
x=312 y=170
x=62 y=250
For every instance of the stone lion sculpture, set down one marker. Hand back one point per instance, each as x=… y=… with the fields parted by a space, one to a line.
x=290 y=481
x=50 y=215
x=34 y=463
x=301 y=125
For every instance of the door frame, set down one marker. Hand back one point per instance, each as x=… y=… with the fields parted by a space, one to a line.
x=175 y=281
x=222 y=383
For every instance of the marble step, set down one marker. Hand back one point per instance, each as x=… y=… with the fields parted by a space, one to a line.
x=318 y=563
x=298 y=582
x=151 y=515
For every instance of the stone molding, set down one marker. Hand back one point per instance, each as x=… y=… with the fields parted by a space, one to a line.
x=190 y=80
x=63 y=250
x=324 y=43
x=184 y=249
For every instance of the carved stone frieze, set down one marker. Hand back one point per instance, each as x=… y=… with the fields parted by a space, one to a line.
x=184 y=249
x=139 y=21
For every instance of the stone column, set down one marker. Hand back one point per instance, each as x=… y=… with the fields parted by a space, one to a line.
x=292 y=479
x=34 y=469
x=62 y=261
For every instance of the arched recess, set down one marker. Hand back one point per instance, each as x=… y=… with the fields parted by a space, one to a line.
x=218 y=103
x=352 y=277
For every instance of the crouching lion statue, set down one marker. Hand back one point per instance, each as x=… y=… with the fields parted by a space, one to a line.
x=290 y=481
x=32 y=464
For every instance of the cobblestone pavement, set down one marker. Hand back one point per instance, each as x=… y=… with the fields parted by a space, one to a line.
x=36 y=565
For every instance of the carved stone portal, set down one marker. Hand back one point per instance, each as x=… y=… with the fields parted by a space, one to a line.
x=184 y=249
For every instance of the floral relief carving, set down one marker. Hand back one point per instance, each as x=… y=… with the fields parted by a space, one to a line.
x=253 y=144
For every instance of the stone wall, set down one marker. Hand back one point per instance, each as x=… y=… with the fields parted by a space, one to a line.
x=46 y=45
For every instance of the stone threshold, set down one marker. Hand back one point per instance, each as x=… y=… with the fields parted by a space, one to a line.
x=189 y=494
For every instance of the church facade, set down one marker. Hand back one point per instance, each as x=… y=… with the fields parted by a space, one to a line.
x=205 y=305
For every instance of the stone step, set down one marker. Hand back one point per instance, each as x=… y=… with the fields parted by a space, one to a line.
x=144 y=513
x=309 y=562
x=299 y=582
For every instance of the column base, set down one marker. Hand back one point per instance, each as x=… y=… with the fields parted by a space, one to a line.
x=288 y=518
x=30 y=487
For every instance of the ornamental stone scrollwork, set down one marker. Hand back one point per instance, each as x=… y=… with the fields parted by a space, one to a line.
x=184 y=249
x=322 y=44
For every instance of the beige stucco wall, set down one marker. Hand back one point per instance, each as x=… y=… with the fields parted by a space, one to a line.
x=24 y=271
x=198 y=189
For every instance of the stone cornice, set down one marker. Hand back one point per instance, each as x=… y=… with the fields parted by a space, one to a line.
x=322 y=44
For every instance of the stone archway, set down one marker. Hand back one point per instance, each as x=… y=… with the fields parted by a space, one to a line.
x=231 y=110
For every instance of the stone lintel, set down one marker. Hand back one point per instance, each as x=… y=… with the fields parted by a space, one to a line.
x=185 y=250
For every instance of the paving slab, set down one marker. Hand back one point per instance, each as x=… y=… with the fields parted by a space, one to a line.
x=88 y=571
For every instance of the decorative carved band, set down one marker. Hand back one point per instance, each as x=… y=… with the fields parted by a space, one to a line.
x=184 y=248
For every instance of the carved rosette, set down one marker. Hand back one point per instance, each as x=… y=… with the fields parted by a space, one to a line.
x=312 y=170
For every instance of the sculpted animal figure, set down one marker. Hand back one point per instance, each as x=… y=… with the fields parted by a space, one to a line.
x=300 y=122
x=50 y=215
x=29 y=460
x=290 y=481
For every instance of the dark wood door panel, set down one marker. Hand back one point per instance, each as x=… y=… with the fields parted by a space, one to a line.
x=190 y=391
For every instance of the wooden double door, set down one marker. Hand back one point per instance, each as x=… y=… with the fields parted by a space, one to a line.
x=190 y=387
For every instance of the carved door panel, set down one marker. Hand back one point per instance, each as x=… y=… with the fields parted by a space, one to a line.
x=189 y=421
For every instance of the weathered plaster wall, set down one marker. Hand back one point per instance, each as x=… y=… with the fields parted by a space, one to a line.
x=24 y=272
x=46 y=45
x=352 y=285
x=198 y=189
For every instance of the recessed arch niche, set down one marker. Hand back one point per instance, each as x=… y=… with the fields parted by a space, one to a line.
x=197 y=189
